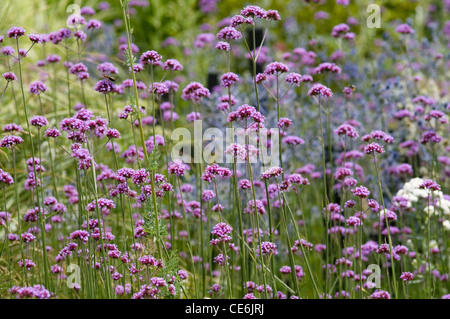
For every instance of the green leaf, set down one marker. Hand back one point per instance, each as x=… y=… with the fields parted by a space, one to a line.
x=150 y=226
x=154 y=157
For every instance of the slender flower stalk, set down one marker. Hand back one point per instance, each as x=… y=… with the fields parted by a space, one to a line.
x=391 y=247
x=19 y=219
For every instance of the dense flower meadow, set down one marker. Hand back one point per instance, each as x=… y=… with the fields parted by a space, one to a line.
x=333 y=185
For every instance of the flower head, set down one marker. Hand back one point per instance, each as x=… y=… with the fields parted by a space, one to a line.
x=10 y=141
x=229 y=33
x=294 y=78
x=254 y=12
x=361 y=191
x=320 y=90
x=150 y=57
x=267 y=248
x=178 y=168
x=38 y=87
x=404 y=29
x=373 y=148
x=15 y=32
x=195 y=91
x=9 y=76
x=229 y=78
x=38 y=121
x=276 y=68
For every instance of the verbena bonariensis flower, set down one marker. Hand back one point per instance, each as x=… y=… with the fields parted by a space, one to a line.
x=159 y=88
x=7 y=50
x=27 y=237
x=35 y=38
x=404 y=170
x=223 y=46
x=9 y=76
x=246 y=111
x=361 y=191
x=430 y=184
x=38 y=87
x=15 y=32
x=407 y=276
x=36 y=292
x=297 y=179
x=171 y=85
x=5 y=179
x=378 y=135
x=430 y=136
x=105 y=86
x=53 y=58
x=425 y=100
x=293 y=140
x=150 y=57
x=229 y=78
x=140 y=176
x=173 y=65
x=107 y=68
x=39 y=121
x=327 y=67
x=237 y=151
x=380 y=294
x=284 y=122
x=84 y=157
x=272 y=172
x=237 y=20
x=373 y=148
x=76 y=21
x=214 y=171
x=267 y=248
x=112 y=133
x=193 y=116
x=340 y=30
x=254 y=12
x=221 y=260
x=294 y=78
x=57 y=37
x=320 y=90
x=222 y=231
x=347 y=130
x=195 y=92
x=228 y=34
x=276 y=68
x=342 y=172
x=10 y=141
x=94 y=24
x=203 y=40
x=255 y=206
x=178 y=168
x=83 y=235
x=404 y=28
x=104 y=204
x=354 y=221
x=28 y=264
x=260 y=78
x=87 y=11
x=272 y=15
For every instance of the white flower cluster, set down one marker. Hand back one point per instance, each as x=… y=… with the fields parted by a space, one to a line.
x=412 y=191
